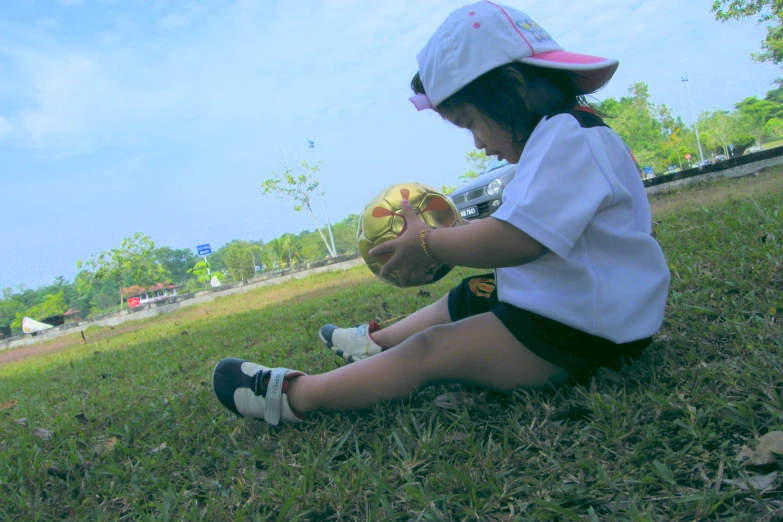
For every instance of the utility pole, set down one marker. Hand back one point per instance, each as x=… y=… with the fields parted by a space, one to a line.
x=693 y=113
x=311 y=145
x=328 y=224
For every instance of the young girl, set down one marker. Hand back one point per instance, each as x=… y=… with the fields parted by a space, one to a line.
x=579 y=282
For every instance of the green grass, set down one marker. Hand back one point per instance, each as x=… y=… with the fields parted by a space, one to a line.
x=772 y=144
x=650 y=443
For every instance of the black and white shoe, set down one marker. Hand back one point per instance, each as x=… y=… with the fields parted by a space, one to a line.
x=352 y=344
x=255 y=391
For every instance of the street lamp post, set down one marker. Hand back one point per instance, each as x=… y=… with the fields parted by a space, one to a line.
x=693 y=113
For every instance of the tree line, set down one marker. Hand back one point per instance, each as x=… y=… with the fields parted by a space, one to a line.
x=663 y=141
x=139 y=261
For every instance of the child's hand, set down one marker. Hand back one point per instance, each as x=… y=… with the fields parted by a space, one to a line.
x=407 y=254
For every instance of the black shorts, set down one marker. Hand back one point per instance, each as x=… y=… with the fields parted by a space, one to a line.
x=578 y=353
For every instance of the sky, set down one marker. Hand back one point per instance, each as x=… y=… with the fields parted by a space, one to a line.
x=164 y=117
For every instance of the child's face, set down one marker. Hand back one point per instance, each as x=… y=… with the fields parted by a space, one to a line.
x=494 y=140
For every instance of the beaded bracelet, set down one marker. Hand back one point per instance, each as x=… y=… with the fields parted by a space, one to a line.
x=424 y=245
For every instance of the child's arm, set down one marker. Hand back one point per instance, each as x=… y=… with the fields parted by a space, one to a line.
x=489 y=243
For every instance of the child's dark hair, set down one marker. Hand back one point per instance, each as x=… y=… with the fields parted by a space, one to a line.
x=511 y=97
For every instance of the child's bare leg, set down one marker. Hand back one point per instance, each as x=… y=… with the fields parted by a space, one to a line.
x=478 y=350
x=431 y=315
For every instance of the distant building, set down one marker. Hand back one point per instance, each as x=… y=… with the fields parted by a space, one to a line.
x=144 y=295
x=73 y=316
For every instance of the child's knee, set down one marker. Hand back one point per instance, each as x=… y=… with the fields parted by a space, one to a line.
x=430 y=343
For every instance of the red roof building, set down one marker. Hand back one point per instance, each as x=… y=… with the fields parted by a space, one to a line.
x=141 y=295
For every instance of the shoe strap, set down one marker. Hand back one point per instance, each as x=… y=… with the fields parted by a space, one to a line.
x=274 y=396
x=259 y=388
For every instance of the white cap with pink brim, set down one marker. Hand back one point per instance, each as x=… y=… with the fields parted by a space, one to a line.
x=483 y=36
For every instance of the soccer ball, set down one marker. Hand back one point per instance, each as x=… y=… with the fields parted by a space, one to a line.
x=382 y=220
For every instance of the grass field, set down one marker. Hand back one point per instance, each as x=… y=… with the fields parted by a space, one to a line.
x=132 y=431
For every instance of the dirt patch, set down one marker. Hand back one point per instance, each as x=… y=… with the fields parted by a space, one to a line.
x=23 y=352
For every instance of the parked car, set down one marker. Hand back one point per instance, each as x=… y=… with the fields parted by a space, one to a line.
x=720 y=157
x=481 y=196
x=751 y=150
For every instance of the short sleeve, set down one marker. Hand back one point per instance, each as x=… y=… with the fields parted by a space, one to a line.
x=558 y=186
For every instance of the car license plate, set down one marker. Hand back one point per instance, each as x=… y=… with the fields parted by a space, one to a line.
x=469 y=212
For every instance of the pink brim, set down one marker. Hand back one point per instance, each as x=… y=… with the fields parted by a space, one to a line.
x=592 y=72
x=573 y=60
x=421 y=102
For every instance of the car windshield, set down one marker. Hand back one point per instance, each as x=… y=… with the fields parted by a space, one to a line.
x=495 y=164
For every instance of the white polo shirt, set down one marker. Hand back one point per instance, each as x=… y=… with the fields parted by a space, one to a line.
x=577 y=191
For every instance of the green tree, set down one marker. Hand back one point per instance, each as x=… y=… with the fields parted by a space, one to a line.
x=131 y=264
x=203 y=273
x=292 y=247
x=276 y=250
x=298 y=184
x=674 y=148
x=52 y=304
x=766 y=11
x=345 y=234
x=635 y=118
x=719 y=127
x=241 y=258
x=774 y=127
x=477 y=163
x=754 y=115
x=313 y=248
x=10 y=305
x=176 y=262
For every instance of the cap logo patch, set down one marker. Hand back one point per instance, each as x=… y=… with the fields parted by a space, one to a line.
x=533 y=28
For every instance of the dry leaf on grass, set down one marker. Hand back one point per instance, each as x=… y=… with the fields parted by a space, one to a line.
x=107 y=446
x=770 y=447
x=42 y=433
x=8 y=405
x=457 y=400
x=22 y=421
x=457 y=436
x=158 y=449
x=759 y=482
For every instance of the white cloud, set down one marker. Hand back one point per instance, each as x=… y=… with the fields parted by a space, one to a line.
x=293 y=62
x=6 y=128
x=246 y=63
x=174 y=21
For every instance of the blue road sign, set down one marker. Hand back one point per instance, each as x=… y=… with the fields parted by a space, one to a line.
x=204 y=249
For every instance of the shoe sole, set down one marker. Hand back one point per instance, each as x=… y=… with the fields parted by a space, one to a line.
x=346 y=356
x=232 y=407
